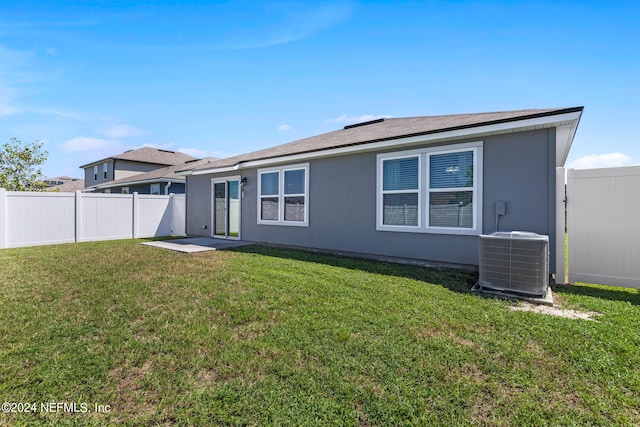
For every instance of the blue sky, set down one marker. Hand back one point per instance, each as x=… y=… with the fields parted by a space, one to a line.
x=93 y=79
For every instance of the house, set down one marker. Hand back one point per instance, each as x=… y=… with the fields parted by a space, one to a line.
x=421 y=188
x=158 y=181
x=64 y=184
x=125 y=171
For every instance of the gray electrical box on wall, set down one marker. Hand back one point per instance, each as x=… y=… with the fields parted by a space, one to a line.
x=501 y=208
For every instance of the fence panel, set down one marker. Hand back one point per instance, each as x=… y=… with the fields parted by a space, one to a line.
x=179 y=215
x=604 y=232
x=31 y=219
x=106 y=217
x=39 y=218
x=154 y=216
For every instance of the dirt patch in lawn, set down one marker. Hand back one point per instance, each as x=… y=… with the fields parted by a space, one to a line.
x=555 y=311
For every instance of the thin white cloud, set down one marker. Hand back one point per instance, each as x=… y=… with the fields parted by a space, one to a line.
x=285 y=128
x=600 y=161
x=287 y=23
x=64 y=114
x=52 y=51
x=349 y=120
x=6 y=109
x=123 y=130
x=88 y=144
x=13 y=75
x=18 y=73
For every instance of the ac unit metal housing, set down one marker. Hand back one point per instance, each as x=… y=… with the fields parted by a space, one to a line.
x=515 y=261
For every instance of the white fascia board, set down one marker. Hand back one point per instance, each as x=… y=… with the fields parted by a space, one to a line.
x=144 y=181
x=564 y=139
x=233 y=168
x=478 y=131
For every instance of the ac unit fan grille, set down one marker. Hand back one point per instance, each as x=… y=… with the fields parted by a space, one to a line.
x=517 y=265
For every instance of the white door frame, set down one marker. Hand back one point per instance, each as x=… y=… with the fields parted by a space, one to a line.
x=226 y=180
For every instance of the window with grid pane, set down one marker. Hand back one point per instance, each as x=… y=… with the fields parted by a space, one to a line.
x=451 y=187
x=269 y=198
x=400 y=191
x=294 y=195
x=283 y=195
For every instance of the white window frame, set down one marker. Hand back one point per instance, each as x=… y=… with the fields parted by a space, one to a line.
x=105 y=170
x=95 y=172
x=382 y=191
x=125 y=190
x=281 y=196
x=425 y=190
x=151 y=189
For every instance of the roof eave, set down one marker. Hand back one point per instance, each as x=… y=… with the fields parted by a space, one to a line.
x=566 y=117
x=144 y=181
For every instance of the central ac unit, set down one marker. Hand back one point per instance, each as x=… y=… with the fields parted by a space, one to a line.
x=515 y=262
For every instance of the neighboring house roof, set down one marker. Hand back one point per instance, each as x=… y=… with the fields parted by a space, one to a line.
x=149 y=155
x=406 y=131
x=64 y=184
x=166 y=174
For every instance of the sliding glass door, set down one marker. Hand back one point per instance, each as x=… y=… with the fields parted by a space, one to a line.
x=226 y=208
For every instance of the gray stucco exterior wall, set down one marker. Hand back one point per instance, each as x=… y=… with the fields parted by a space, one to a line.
x=198 y=209
x=518 y=168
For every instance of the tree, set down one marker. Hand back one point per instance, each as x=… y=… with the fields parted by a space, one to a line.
x=20 y=166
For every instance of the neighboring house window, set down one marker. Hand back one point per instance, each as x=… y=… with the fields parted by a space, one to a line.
x=105 y=169
x=95 y=173
x=431 y=190
x=283 y=195
x=125 y=190
x=155 y=189
x=107 y=191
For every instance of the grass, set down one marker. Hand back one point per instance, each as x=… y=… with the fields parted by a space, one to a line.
x=262 y=336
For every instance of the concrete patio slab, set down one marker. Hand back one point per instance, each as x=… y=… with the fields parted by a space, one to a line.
x=197 y=244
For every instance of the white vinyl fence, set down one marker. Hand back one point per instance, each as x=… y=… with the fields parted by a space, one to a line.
x=32 y=218
x=603 y=208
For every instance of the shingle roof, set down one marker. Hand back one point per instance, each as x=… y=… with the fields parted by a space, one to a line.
x=381 y=130
x=69 y=184
x=162 y=174
x=149 y=155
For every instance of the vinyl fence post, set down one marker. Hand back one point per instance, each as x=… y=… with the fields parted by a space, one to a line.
x=135 y=215
x=560 y=225
x=3 y=218
x=172 y=201
x=78 y=218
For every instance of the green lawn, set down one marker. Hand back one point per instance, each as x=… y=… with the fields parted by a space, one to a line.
x=273 y=337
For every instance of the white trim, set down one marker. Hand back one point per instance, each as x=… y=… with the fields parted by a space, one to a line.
x=424 y=192
x=281 y=196
x=477 y=132
x=380 y=211
x=144 y=181
x=226 y=180
x=560 y=273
